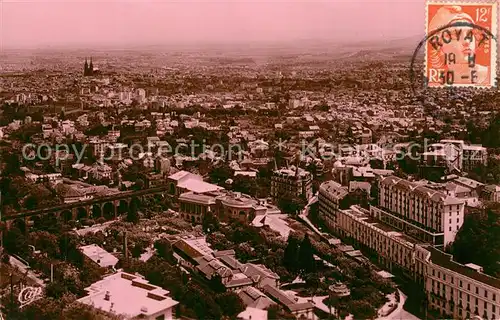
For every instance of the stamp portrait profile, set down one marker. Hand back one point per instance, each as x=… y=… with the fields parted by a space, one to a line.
x=461 y=47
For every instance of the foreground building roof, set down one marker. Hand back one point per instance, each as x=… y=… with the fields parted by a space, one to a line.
x=128 y=295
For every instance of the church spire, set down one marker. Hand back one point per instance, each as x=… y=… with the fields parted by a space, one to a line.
x=91 y=67
x=86 y=68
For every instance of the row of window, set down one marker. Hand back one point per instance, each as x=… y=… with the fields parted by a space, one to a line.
x=442 y=304
x=460 y=284
x=397 y=253
x=193 y=208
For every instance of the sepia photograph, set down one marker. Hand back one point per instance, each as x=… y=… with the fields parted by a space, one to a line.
x=249 y=160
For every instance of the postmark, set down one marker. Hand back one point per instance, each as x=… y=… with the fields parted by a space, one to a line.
x=460 y=45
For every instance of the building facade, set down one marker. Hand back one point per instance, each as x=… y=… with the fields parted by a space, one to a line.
x=225 y=205
x=452 y=290
x=291 y=183
x=459 y=291
x=426 y=214
x=332 y=198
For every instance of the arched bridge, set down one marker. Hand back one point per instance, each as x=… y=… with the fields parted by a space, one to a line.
x=108 y=207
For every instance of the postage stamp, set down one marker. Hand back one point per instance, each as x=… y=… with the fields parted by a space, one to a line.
x=461 y=46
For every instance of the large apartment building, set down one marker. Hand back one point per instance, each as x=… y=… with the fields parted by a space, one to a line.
x=291 y=182
x=453 y=290
x=425 y=214
x=332 y=196
x=454 y=155
x=460 y=291
x=394 y=249
x=471 y=156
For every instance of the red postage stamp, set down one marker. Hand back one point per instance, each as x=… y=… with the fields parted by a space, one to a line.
x=461 y=46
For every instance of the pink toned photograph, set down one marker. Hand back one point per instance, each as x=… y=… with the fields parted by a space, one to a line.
x=249 y=160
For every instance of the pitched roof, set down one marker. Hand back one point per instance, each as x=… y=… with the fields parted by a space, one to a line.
x=258 y=270
x=67 y=191
x=285 y=300
x=100 y=256
x=253 y=297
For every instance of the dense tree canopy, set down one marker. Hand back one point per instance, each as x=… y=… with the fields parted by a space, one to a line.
x=478 y=241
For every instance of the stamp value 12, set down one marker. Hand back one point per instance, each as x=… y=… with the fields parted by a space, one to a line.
x=461 y=46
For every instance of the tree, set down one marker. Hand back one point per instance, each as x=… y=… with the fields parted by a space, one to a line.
x=291 y=254
x=15 y=242
x=312 y=280
x=164 y=249
x=68 y=246
x=245 y=185
x=220 y=174
x=478 y=240
x=362 y=310
x=209 y=222
x=30 y=202
x=291 y=204
x=133 y=215
x=218 y=241
x=277 y=312
x=201 y=302
x=80 y=311
x=45 y=242
x=139 y=184
x=12 y=163
x=307 y=263
x=230 y=304
x=55 y=290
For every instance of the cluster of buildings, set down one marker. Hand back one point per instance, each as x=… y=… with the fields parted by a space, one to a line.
x=255 y=284
x=195 y=198
x=453 y=156
x=408 y=231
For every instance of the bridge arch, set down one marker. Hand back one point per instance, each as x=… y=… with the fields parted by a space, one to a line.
x=123 y=207
x=171 y=188
x=81 y=213
x=48 y=221
x=136 y=201
x=96 y=211
x=108 y=211
x=66 y=215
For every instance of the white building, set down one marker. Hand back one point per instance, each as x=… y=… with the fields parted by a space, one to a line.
x=100 y=256
x=131 y=297
x=470 y=156
x=460 y=291
x=184 y=181
x=424 y=213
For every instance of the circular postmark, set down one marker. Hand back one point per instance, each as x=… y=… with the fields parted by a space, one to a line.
x=451 y=58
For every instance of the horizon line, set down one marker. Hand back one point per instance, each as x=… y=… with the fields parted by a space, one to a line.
x=194 y=43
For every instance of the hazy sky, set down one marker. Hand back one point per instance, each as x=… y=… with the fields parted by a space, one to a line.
x=39 y=23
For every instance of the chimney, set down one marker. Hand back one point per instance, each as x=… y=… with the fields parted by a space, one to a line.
x=107 y=296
